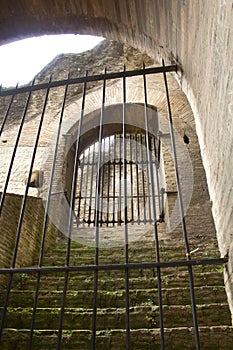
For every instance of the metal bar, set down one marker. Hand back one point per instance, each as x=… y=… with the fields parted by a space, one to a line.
x=131 y=177
x=14 y=150
x=43 y=230
x=91 y=184
x=119 y=206
x=137 y=178
x=102 y=180
x=143 y=180
x=126 y=247
x=45 y=221
x=183 y=223
x=86 y=185
x=113 y=267
x=94 y=319
x=108 y=179
x=151 y=180
x=160 y=201
x=7 y=112
x=106 y=76
x=156 y=182
x=128 y=196
x=71 y=211
x=121 y=222
x=114 y=182
x=148 y=187
x=80 y=168
x=9 y=282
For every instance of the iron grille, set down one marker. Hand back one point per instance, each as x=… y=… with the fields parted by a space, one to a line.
x=100 y=205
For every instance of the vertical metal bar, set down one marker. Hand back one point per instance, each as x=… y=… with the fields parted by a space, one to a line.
x=156 y=164
x=7 y=112
x=114 y=182
x=97 y=197
x=22 y=210
x=70 y=221
x=15 y=149
x=150 y=170
x=81 y=168
x=137 y=176
x=120 y=163
x=131 y=176
x=42 y=244
x=45 y=221
x=109 y=182
x=127 y=298
x=4 y=310
x=87 y=164
x=91 y=184
x=143 y=178
x=182 y=217
x=102 y=181
x=148 y=188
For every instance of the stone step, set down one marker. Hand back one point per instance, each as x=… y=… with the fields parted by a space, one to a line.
x=136 y=248
x=85 y=256
x=115 y=298
x=211 y=338
x=140 y=316
x=110 y=281
x=138 y=251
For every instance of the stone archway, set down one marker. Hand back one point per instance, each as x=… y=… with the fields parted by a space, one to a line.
x=173 y=30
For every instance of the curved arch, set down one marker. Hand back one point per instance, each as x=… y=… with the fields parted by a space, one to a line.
x=195 y=34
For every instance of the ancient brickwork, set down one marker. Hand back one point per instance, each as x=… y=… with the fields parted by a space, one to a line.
x=195 y=34
x=30 y=233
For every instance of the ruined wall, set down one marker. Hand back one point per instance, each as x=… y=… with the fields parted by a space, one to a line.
x=195 y=34
x=30 y=233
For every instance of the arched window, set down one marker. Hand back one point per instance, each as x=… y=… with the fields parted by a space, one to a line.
x=115 y=187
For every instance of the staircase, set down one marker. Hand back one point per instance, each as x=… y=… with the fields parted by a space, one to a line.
x=212 y=308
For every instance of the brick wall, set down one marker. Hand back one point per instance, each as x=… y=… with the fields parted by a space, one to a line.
x=30 y=234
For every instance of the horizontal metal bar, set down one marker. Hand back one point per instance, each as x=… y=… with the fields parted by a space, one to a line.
x=120 y=221
x=146 y=265
x=114 y=197
x=72 y=81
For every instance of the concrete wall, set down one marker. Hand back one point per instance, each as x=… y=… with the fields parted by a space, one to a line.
x=197 y=34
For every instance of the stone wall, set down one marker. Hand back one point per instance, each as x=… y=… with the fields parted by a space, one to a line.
x=175 y=32
x=30 y=233
x=195 y=34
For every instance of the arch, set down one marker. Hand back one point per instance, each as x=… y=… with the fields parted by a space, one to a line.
x=193 y=34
